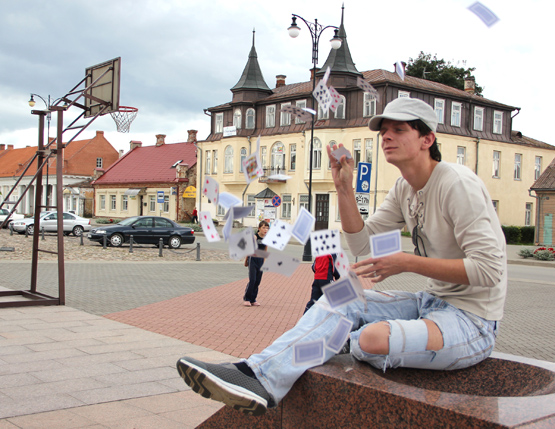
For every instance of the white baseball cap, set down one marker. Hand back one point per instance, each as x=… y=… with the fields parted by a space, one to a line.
x=406 y=109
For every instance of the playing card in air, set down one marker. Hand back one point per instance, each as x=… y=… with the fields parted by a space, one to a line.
x=210 y=189
x=343 y=291
x=342 y=263
x=340 y=151
x=281 y=264
x=322 y=95
x=485 y=14
x=335 y=98
x=208 y=228
x=366 y=87
x=241 y=244
x=278 y=235
x=239 y=212
x=325 y=242
x=400 y=70
x=297 y=112
x=227 y=200
x=385 y=244
x=226 y=231
x=252 y=167
x=310 y=353
x=339 y=336
x=303 y=225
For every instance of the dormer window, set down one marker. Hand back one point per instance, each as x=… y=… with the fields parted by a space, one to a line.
x=175 y=164
x=219 y=123
x=237 y=119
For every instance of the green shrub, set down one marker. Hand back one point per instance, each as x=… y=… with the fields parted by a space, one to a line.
x=195 y=226
x=525 y=253
x=544 y=255
x=105 y=220
x=527 y=234
x=512 y=234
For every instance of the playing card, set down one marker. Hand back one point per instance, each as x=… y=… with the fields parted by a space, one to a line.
x=340 y=151
x=322 y=95
x=343 y=291
x=297 y=112
x=310 y=353
x=326 y=75
x=339 y=336
x=485 y=14
x=252 y=167
x=309 y=110
x=241 y=244
x=278 y=235
x=303 y=225
x=335 y=98
x=227 y=200
x=208 y=228
x=325 y=242
x=342 y=264
x=239 y=212
x=400 y=70
x=281 y=264
x=211 y=189
x=226 y=231
x=366 y=87
x=385 y=244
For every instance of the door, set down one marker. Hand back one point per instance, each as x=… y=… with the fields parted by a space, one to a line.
x=141 y=231
x=548 y=229
x=322 y=211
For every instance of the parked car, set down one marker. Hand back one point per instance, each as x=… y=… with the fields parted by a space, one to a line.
x=73 y=224
x=145 y=230
x=4 y=214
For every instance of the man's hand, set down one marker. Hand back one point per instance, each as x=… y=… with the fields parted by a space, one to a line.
x=379 y=269
x=342 y=170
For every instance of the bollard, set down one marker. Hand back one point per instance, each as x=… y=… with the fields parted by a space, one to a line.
x=81 y=239
x=160 y=245
x=26 y=233
x=104 y=241
x=198 y=251
x=130 y=244
x=42 y=232
x=11 y=228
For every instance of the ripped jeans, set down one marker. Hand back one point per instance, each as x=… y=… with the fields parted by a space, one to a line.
x=467 y=338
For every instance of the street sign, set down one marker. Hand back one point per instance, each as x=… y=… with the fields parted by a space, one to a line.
x=363 y=203
x=161 y=197
x=363 y=177
x=276 y=201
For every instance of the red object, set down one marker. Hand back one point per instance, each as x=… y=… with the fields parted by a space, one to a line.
x=322 y=267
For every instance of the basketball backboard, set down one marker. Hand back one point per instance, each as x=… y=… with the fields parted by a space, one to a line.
x=106 y=79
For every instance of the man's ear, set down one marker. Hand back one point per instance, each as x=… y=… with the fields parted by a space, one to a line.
x=428 y=140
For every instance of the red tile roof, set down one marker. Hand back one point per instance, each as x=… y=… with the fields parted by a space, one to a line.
x=546 y=181
x=518 y=138
x=149 y=164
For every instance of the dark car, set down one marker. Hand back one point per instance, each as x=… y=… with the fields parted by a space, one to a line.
x=145 y=230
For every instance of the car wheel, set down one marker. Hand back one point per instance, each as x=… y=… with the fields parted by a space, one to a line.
x=78 y=230
x=174 y=242
x=116 y=240
x=30 y=229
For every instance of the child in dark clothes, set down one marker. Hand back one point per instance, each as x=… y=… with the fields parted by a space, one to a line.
x=254 y=264
x=324 y=273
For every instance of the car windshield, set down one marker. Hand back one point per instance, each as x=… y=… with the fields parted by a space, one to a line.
x=128 y=221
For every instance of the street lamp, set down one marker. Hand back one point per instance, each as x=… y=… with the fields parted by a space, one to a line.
x=316 y=31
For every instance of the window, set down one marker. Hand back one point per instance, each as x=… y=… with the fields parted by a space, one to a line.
x=243 y=157
x=152 y=203
x=496 y=163
x=356 y=152
x=518 y=166
x=292 y=157
x=124 y=202
x=528 y=214
x=321 y=113
x=112 y=202
x=98 y=162
x=228 y=160
x=402 y=94
x=497 y=122
x=303 y=201
x=316 y=154
x=496 y=206
x=166 y=204
x=271 y=116
x=237 y=119
x=208 y=162
x=461 y=155
x=302 y=105
x=479 y=118
x=162 y=223
x=286 y=207
x=369 y=148
x=331 y=143
x=369 y=108
x=278 y=156
x=250 y=119
x=251 y=202
x=263 y=156
x=221 y=211
x=215 y=162
x=285 y=118
x=439 y=107
x=456 y=109
x=219 y=123
x=538 y=167
x=103 y=202
x=340 y=111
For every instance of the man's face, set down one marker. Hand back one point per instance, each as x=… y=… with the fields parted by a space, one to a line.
x=402 y=144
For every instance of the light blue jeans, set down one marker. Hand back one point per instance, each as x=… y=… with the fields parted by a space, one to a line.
x=467 y=338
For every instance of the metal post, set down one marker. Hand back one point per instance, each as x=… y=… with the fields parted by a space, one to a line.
x=11 y=229
x=130 y=244
x=81 y=240
x=104 y=239
x=160 y=246
x=198 y=251
x=42 y=233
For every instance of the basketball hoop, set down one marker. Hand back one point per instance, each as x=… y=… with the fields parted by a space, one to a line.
x=123 y=117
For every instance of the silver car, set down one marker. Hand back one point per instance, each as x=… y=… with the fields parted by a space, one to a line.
x=73 y=224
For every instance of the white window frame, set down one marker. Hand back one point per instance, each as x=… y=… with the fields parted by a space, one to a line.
x=369 y=105
x=321 y=114
x=402 y=94
x=456 y=114
x=528 y=214
x=208 y=161
x=243 y=157
x=276 y=156
x=497 y=122
x=340 y=111
x=292 y=157
x=124 y=203
x=152 y=206
x=166 y=204
x=228 y=159
x=316 y=154
x=496 y=173
x=219 y=123
x=264 y=156
x=368 y=150
x=102 y=202
x=496 y=206
x=537 y=167
x=357 y=152
x=285 y=118
x=251 y=202
x=303 y=201
x=461 y=155
x=439 y=108
x=518 y=167
x=478 y=118
x=271 y=116
x=99 y=162
x=286 y=206
x=215 y=161
x=301 y=104
x=237 y=118
x=113 y=203
x=250 y=122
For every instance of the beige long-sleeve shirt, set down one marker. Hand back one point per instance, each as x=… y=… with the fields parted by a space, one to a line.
x=458 y=221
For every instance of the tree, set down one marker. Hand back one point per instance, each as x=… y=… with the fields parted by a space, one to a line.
x=439 y=70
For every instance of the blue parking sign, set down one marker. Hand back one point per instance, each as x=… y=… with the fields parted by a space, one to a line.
x=363 y=177
x=161 y=197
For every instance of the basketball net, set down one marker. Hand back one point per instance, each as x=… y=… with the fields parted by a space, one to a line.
x=123 y=118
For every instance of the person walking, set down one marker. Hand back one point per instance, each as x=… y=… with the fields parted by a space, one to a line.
x=254 y=264
x=324 y=273
x=194 y=217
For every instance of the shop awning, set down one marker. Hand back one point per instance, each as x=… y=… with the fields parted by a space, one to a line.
x=132 y=192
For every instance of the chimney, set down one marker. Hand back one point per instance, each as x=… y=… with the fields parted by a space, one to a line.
x=312 y=73
x=121 y=153
x=470 y=84
x=2 y=146
x=160 y=139
x=192 y=136
x=100 y=133
x=134 y=144
x=98 y=172
x=10 y=146
x=280 y=80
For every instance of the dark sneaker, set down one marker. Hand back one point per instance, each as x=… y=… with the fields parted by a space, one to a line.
x=225 y=383
x=346 y=349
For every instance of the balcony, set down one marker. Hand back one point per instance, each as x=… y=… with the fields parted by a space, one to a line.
x=273 y=175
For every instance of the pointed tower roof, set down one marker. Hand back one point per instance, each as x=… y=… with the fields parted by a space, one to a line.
x=340 y=60
x=252 y=75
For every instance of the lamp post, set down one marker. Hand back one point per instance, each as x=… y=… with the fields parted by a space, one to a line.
x=316 y=29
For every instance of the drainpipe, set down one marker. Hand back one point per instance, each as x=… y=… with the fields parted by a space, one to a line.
x=477 y=154
x=199 y=150
x=246 y=187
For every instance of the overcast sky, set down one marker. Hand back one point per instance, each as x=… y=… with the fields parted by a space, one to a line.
x=180 y=57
